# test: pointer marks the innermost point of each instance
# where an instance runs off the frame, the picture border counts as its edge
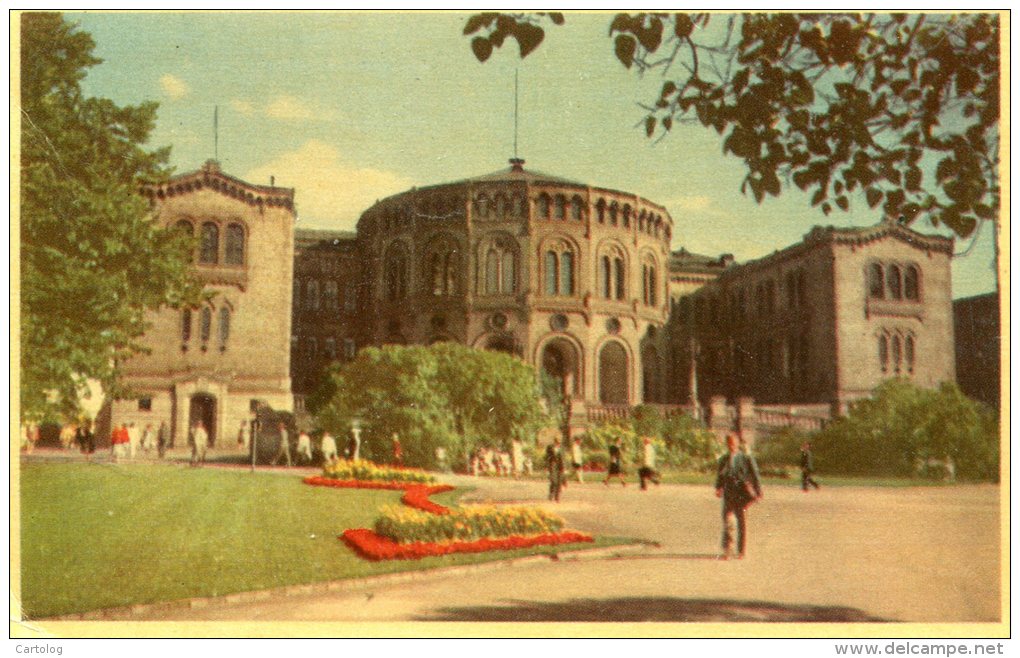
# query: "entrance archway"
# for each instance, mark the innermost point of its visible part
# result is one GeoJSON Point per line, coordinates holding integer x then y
{"type": "Point", "coordinates": [203, 408]}
{"type": "Point", "coordinates": [613, 374]}
{"type": "Point", "coordinates": [560, 362]}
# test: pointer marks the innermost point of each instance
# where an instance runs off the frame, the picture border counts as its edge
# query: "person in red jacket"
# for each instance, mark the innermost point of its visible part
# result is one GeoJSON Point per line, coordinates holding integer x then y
{"type": "Point", "coordinates": [120, 440]}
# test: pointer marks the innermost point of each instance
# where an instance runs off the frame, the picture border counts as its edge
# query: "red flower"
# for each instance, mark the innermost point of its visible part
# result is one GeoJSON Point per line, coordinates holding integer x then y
{"type": "Point", "coordinates": [371, 546]}
{"type": "Point", "coordinates": [416, 495]}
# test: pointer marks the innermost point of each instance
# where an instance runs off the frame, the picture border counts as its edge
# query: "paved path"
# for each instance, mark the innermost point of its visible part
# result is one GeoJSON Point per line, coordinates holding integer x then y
{"type": "Point", "coordinates": [841, 554]}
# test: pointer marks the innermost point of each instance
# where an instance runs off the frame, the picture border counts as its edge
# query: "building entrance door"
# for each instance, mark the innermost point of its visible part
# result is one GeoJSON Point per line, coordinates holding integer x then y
{"type": "Point", "coordinates": [203, 408]}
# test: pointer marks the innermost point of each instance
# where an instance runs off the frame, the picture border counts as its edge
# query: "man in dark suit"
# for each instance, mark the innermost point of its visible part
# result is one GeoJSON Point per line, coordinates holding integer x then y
{"type": "Point", "coordinates": [738, 484]}
{"type": "Point", "coordinates": [807, 467]}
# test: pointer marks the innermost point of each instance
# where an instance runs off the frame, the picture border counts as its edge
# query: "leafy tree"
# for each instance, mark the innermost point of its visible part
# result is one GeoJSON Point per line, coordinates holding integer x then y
{"type": "Point", "coordinates": [92, 263]}
{"type": "Point", "coordinates": [902, 108]}
{"type": "Point", "coordinates": [445, 395]}
{"type": "Point", "coordinates": [903, 429]}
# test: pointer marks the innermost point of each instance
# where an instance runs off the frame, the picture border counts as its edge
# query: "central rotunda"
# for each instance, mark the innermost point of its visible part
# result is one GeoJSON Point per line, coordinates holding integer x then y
{"type": "Point", "coordinates": [567, 276]}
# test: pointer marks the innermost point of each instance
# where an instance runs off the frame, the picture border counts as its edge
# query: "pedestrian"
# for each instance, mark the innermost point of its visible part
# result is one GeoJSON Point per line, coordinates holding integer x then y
{"type": "Point", "coordinates": [199, 444]}
{"type": "Point", "coordinates": [554, 465]}
{"type": "Point", "coordinates": [148, 438]}
{"type": "Point", "coordinates": [243, 435]}
{"type": "Point", "coordinates": [162, 439]}
{"type": "Point", "coordinates": [328, 447]}
{"type": "Point", "coordinates": [353, 448]}
{"type": "Point", "coordinates": [517, 456]}
{"type": "Point", "coordinates": [86, 438]}
{"type": "Point", "coordinates": [134, 438]}
{"type": "Point", "coordinates": [615, 463]}
{"type": "Point", "coordinates": [577, 459]}
{"type": "Point", "coordinates": [284, 451]}
{"type": "Point", "coordinates": [304, 446]}
{"type": "Point", "coordinates": [398, 451]}
{"type": "Point", "coordinates": [807, 467]}
{"type": "Point", "coordinates": [647, 471]}
{"type": "Point", "coordinates": [119, 442]}
{"type": "Point", "coordinates": [738, 485]}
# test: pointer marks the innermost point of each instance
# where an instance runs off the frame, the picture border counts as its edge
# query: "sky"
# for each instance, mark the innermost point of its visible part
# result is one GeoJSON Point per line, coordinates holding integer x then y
{"type": "Point", "coordinates": [352, 107]}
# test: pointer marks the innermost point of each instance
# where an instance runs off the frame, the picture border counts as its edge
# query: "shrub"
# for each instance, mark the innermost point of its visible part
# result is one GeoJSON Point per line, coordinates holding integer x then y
{"type": "Point", "coordinates": [367, 471]}
{"type": "Point", "coordinates": [403, 524]}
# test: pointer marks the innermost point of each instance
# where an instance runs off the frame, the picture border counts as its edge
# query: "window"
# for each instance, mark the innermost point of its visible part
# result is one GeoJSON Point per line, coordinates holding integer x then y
{"type": "Point", "coordinates": [908, 349]}
{"type": "Point", "coordinates": [893, 280]}
{"type": "Point", "coordinates": [542, 207]}
{"type": "Point", "coordinates": [618, 276]}
{"type": "Point", "coordinates": [186, 325]}
{"type": "Point", "coordinates": [350, 348]}
{"type": "Point", "coordinates": [396, 274]}
{"type": "Point", "coordinates": [551, 272]}
{"type": "Point", "coordinates": [567, 273]}
{"type": "Point", "coordinates": [350, 298]}
{"type": "Point", "coordinates": [209, 250]}
{"type": "Point", "coordinates": [482, 206]}
{"type": "Point", "coordinates": [876, 281]}
{"type": "Point", "coordinates": [911, 284]}
{"type": "Point", "coordinates": [235, 245]}
{"type": "Point", "coordinates": [576, 208]}
{"type": "Point", "coordinates": [205, 325]}
{"type": "Point", "coordinates": [897, 354]}
{"type": "Point", "coordinates": [626, 216]}
{"type": "Point", "coordinates": [649, 283]}
{"type": "Point", "coordinates": [508, 272]}
{"type": "Point", "coordinates": [883, 352]}
{"type": "Point", "coordinates": [331, 348]}
{"type": "Point", "coordinates": [559, 207]}
{"type": "Point", "coordinates": [500, 271]}
{"type": "Point", "coordinates": [331, 296]}
{"type": "Point", "coordinates": [492, 272]}
{"type": "Point", "coordinates": [500, 206]}
{"type": "Point", "coordinates": [144, 404]}
{"type": "Point", "coordinates": [441, 269]}
{"type": "Point", "coordinates": [312, 295]}
{"type": "Point", "coordinates": [614, 211]}
{"type": "Point", "coordinates": [600, 211]}
{"type": "Point", "coordinates": [224, 327]}
{"type": "Point", "coordinates": [605, 277]}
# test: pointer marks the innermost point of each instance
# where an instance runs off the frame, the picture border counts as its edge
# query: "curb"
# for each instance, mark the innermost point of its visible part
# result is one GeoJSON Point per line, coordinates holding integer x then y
{"type": "Point", "coordinates": [169, 607]}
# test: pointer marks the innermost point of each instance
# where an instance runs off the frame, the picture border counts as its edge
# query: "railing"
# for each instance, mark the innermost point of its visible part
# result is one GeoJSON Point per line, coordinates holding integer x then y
{"type": "Point", "coordinates": [603, 413]}
{"type": "Point", "coordinates": [772, 419]}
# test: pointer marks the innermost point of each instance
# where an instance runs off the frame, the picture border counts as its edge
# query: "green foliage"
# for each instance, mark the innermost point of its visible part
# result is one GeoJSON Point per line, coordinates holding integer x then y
{"type": "Point", "coordinates": [782, 448]}
{"type": "Point", "coordinates": [366, 471]}
{"type": "Point", "coordinates": [92, 263]}
{"type": "Point", "coordinates": [444, 395]}
{"type": "Point", "coordinates": [688, 444]}
{"type": "Point", "coordinates": [903, 109]}
{"type": "Point", "coordinates": [905, 430]}
{"type": "Point", "coordinates": [679, 440]}
{"type": "Point", "coordinates": [404, 524]}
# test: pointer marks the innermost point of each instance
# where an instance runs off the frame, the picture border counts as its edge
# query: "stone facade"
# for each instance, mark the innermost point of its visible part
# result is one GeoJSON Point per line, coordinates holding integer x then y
{"type": "Point", "coordinates": [821, 322]}
{"type": "Point", "coordinates": [214, 362]}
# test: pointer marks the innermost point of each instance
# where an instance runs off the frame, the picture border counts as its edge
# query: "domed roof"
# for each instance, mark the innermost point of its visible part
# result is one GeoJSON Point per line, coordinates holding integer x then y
{"type": "Point", "coordinates": [516, 173]}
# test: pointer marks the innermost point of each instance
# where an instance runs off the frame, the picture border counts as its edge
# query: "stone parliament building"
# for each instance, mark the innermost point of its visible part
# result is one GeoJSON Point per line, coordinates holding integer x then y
{"type": "Point", "coordinates": [578, 280]}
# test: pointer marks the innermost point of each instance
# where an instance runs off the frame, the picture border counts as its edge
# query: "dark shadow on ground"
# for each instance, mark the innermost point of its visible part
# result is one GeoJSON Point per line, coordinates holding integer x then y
{"type": "Point", "coordinates": [654, 609]}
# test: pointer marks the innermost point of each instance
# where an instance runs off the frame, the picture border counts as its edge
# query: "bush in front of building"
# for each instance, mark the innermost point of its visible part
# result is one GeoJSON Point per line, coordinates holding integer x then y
{"type": "Point", "coordinates": [680, 441]}
{"type": "Point", "coordinates": [445, 396]}
{"type": "Point", "coordinates": [906, 430]}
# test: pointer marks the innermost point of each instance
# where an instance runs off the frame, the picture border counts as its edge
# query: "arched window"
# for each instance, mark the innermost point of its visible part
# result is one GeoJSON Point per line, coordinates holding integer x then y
{"type": "Point", "coordinates": [312, 295]}
{"type": "Point", "coordinates": [892, 277]}
{"type": "Point", "coordinates": [613, 367]}
{"type": "Point", "coordinates": [205, 324]}
{"type": "Point", "coordinates": [567, 273]}
{"type": "Point", "coordinates": [883, 352]}
{"type": "Point", "coordinates": [876, 281]}
{"type": "Point", "coordinates": [331, 348]}
{"type": "Point", "coordinates": [619, 277]}
{"type": "Point", "coordinates": [508, 273]}
{"type": "Point", "coordinates": [614, 211]}
{"type": "Point", "coordinates": [542, 207]}
{"type": "Point", "coordinates": [209, 250]}
{"type": "Point", "coordinates": [911, 283]}
{"type": "Point", "coordinates": [441, 268]}
{"type": "Point", "coordinates": [224, 327]}
{"type": "Point", "coordinates": [492, 272]}
{"type": "Point", "coordinates": [186, 325]}
{"type": "Point", "coordinates": [897, 354]}
{"type": "Point", "coordinates": [600, 211]}
{"type": "Point", "coordinates": [396, 274]}
{"type": "Point", "coordinates": [576, 208]}
{"type": "Point", "coordinates": [551, 272]}
{"type": "Point", "coordinates": [559, 207]}
{"type": "Point", "coordinates": [605, 277]}
{"type": "Point", "coordinates": [908, 349]}
{"type": "Point", "coordinates": [649, 282]}
{"type": "Point", "coordinates": [331, 296]}
{"type": "Point", "coordinates": [626, 216]}
{"type": "Point", "coordinates": [235, 245]}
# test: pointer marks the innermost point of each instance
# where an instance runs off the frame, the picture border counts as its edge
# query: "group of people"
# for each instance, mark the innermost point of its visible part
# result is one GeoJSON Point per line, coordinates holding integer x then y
{"type": "Point", "coordinates": [303, 454]}
{"type": "Point", "coordinates": [127, 440]}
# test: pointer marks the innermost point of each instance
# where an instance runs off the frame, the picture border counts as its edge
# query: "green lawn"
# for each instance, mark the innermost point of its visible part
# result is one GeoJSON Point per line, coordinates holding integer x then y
{"type": "Point", "coordinates": [98, 536]}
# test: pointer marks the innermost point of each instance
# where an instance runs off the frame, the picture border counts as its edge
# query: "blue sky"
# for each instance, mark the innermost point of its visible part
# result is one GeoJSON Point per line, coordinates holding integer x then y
{"type": "Point", "coordinates": [351, 107]}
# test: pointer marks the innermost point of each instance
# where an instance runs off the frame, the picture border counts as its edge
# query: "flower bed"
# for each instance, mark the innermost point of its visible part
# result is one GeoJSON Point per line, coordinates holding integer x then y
{"type": "Point", "coordinates": [405, 525]}
{"type": "Point", "coordinates": [372, 546]}
{"type": "Point", "coordinates": [366, 471]}
{"type": "Point", "coordinates": [415, 495]}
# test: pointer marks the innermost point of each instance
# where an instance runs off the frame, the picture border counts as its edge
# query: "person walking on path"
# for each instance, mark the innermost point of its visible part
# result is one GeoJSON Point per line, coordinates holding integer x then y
{"type": "Point", "coordinates": [554, 464]}
{"type": "Point", "coordinates": [148, 439]}
{"type": "Point", "coordinates": [134, 438]}
{"type": "Point", "coordinates": [162, 439]}
{"type": "Point", "coordinates": [119, 441]}
{"type": "Point", "coordinates": [807, 467]}
{"type": "Point", "coordinates": [615, 463]}
{"type": "Point", "coordinates": [86, 439]}
{"type": "Point", "coordinates": [577, 459]}
{"type": "Point", "coordinates": [648, 471]}
{"type": "Point", "coordinates": [199, 444]}
{"type": "Point", "coordinates": [328, 447]}
{"type": "Point", "coordinates": [284, 452]}
{"type": "Point", "coordinates": [304, 447]}
{"type": "Point", "coordinates": [738, 484]}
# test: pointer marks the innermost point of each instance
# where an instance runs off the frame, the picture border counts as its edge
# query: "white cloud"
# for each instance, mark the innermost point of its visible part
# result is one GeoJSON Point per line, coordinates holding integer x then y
{"type": "Point", "coordinates": [329, 191]}
{"type": "Point", "coordinates": [284, 108]}
{"type": "Point", "coordinates": [174, 87]}
{"type": "Point", "coordinates": [244, 108]}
